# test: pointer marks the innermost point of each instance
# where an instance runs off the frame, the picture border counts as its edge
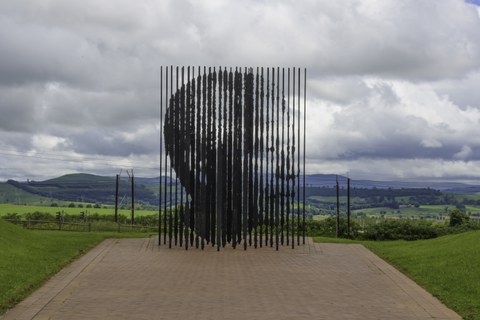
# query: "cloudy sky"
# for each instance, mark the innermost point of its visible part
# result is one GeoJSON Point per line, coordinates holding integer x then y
{"type": "Point", "coordinates": [393, 85]}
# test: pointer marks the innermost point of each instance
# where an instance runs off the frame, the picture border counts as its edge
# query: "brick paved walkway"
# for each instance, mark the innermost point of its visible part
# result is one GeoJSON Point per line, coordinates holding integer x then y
{"type": "Point", "coordinates": [135, 279]}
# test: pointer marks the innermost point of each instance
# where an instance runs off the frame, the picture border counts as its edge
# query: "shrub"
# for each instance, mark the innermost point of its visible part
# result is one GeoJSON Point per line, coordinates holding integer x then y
{"type": "Point", "coordinates": [37, 215]}
{"type": "Point", "coordinates": [402, 229]}
{"type": "Point", "coordinates": [464, 227]}
{"type": "Point", "coordinates": [327, 227]}
{"type": "Point", "coordinates": [150, 220]}
{"type": "Point", "coordinates": [12, 216]}
{"type": "Point", "coordinates": [458, 217]}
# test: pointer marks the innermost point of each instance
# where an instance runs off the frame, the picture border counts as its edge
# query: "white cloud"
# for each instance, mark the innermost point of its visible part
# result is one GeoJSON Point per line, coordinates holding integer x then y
{"type": "Point", "coordinates": [401, 169]}
{"type": "Point", "coordinates": [47, 142]}
{"type": "Point", "coordinates": [464, 153]}
{"type": "Point", "coordinates": [431, 143]}
{"type": "Point", "coordinates": [389, 81]}
{"type": "Point", "coordinates": [395, 119]}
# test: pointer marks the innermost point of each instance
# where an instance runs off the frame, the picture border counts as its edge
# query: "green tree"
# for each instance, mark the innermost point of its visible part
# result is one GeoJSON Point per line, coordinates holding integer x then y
{"type": "Point", "coordinates": [458, 217]}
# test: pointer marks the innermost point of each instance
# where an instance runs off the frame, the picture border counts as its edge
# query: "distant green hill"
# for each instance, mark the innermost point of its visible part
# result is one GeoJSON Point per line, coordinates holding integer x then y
{"type": "Point", "coordinates": [12, 194]}
{"type": "Point", "coordinates": [77, 178]}
{"type": "Point", "coordinates": [320, 195]}
{"type": "Point", "coordinates": [81, 187]}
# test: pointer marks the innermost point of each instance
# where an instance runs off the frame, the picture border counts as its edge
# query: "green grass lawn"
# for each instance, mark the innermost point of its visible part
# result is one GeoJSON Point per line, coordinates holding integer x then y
{"type": "Point", "coordinates": [448, 267]}
{"type": "Point", "coordinates": [29, 258]}
{"type": "Point", "coordinates": [423, 210]}
{"type": "Point", "coordinates": [20, 209]}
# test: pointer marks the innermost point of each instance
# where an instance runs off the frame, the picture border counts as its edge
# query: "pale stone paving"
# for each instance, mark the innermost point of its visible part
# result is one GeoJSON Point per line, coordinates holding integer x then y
{"type": "Point", "coordinates": [136, 279]}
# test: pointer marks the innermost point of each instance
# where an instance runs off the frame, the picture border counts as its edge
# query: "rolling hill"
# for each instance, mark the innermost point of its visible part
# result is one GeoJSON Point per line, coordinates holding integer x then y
{"type": "Point", "coordinates": [84, 188]}
{"type": "Point", "coordinates": [328, 180]}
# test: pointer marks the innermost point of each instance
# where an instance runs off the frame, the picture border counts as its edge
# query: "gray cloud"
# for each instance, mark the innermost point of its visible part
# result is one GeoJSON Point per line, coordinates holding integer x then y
{"type": "Point", "coordinates": [17, 109]}
{"type": "Point", "coordinates": [391, 121]}
{"type": "Point", "coordinates": [389, 81]}
{"type": "Point", "coordinates": [115, 143]}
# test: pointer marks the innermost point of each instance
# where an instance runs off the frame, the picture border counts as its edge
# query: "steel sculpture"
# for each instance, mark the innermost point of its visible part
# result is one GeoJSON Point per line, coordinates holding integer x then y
{"type": "Point", "coordinates": [229, 168]}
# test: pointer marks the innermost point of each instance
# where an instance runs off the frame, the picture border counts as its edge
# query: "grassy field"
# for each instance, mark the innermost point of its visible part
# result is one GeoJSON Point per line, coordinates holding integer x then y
{"type": "Point", "coordinates": [423, 210]}
{"type": "Point", "coordinates": [461, 197]}
{"type": "Point", "coordinates": [10, 194]}
{"type": "Point", "coordinates": [20, 209]}
{"type": "Point", "coordinates": [353, 200]}
{"type": "Point", "coordinates": [472, 209]}
{"type": "Point", "coordinates": [29, 258]}
{"type": "Point", "coordinates": [448, 267]}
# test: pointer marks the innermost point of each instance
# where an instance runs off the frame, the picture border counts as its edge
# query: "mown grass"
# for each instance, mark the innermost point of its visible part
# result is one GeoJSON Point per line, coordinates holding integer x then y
{"type": "Point", "coordinates": [432, 210]}
{"type": "Point", "coordinates": [28, 258]}
{"type": "Point", "coordinates": [448, 267]}
{"type": "Point", "coordinates": [21, 209]}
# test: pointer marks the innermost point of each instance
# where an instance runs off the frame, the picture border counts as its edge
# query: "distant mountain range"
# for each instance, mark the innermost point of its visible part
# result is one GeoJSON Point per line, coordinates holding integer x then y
{"type": "Point", "coordinates": [84, 187]}
{"type": "Point", "coordinates": [101, 189]}
{"type": "Point", "coordinates": [326, 180]}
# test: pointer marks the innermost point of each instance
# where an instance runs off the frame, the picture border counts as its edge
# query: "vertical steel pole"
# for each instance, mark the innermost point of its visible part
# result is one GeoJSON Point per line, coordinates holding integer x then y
{"type": "Point", "coordinates": [198, 174]}
{"type": "Point", "coordinates": [230, 154]}
{"type": "Point", "coordinates": [133, 200]}
{"type": "Point", "coordinates": [255, 185]}
{"type": "Point", "coordinates": [220, 170]}
{"type": "Point", "coordinates": [304, 143]}
{"type": "Point", "coordinates": [116, 197]}
{"type": "Point", "coordinates": [348, 207]}
{"type": "Point", "coordinates": [260, 205]}
{"type": "Point", "coordinates": [282, 163]}
{"type": "Point", "coordinates": [245, 179]}
{"type": "Point", "coordinates": [277, 165]}
{"type": "Point", "coordinates": [170, 221]}
{"type": "Point", "coordinates": [160, 162]}
{"type": "Point", "coordinates": [337, 224]}
{"type": "Point", "coordinates": [236, 161]}
{"type": "Point", "coordinates": [219, 193]}
{"type": "Point", "coordinates": [267, 150]}
{"type": "Point", "coordinates": [166, 156]}
{"type": "Point", "coordinates": [188, 168]}
{"type": "Point", "coordinates": [225, 227]}
{"type": "Point", "coordinates": [181, 153]}
{"type": "Point", "coordinates": [193, 168]}
{"type": "Point", "coordinates": [293, 161]}
{"type": "Point", "coordinates": [298, 162]}
{"type": "Point", "coordinates": [272, 149]}
{"type": "Point", "coordinates": [175, 157]}
{"type": "Point", "coordinates": [203, 157]}
{"type": "Point", "coordinates": [212, 153]}
{"type": "Point", "coordinates": [287, 196]}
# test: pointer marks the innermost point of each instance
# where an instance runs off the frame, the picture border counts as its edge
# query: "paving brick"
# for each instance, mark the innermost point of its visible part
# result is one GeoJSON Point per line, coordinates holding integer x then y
{"type": "Point", "coordinates": [136, 279]}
